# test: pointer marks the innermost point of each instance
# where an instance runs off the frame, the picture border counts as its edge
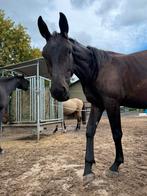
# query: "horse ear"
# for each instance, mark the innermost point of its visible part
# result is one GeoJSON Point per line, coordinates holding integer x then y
{"type": "Point", "coordinates": [43, 28]}
{"type": "Point", "coordinates": [63, 24]}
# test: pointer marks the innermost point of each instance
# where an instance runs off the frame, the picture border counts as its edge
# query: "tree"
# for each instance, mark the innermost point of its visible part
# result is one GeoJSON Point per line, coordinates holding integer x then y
{"type": "Point", "coordinates": [35, 53]}
{"type": "Point", "coordinates": [15, 43]}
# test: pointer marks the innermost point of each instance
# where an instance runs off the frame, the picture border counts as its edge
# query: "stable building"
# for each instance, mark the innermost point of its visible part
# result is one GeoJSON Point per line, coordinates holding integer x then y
{"type": "Point", "coordinates": [76, 90]}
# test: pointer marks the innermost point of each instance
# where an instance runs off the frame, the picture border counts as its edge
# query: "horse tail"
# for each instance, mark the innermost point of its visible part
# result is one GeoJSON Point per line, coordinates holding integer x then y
{"type": "Point", "coordinates": [84, 114]}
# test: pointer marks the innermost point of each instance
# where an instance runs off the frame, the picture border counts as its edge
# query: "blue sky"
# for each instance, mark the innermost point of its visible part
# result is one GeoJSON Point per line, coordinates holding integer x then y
{"type": "Point", "coordinates": [119, 26]}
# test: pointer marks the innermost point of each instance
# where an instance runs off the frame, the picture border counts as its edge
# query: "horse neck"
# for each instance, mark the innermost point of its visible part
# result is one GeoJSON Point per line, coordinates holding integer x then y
{"type": "Point", "coordinates": [88, 61]}
{"type": "Point", "coordinates": [11, 85]}
{"type": "Point", "coordinates": [82, 58]}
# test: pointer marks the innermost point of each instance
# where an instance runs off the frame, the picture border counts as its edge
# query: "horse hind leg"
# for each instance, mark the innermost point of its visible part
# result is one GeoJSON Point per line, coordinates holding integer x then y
{"type": "Point", "coordinates": [78, 123]}
{"type": "Point", "coordinates": [113, 111]}
{"type": "Point", "coordinates": [64, 127]}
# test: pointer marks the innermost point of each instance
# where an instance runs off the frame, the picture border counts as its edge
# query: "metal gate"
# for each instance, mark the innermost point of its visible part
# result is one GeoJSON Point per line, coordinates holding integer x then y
{"type": "Point", "coordinates": [24, 105]}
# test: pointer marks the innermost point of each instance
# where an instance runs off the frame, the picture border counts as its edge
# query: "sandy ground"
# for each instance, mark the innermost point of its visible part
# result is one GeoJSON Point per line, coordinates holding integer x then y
{"type": "Point", "coordinates": [54, 166]}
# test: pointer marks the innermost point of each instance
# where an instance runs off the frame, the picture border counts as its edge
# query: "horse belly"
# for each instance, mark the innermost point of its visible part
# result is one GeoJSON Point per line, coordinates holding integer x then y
{"type": "Point", "coordinates": [69, 108]}
{"type": "Point", "coordinates": [138, 98]}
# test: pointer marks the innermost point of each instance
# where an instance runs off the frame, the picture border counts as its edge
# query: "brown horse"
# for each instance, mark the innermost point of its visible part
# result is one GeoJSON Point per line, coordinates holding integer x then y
{"type": "Point", "coordinates": [76, 108]}
{"type": "Point", "coordinates": [109, 80]}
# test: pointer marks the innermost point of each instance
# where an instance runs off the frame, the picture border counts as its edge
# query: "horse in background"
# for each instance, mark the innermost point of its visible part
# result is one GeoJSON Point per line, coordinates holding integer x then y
{"type": "Point", "coordinates": [74, 107]}
{"type": "Point", "coordinates": [7, 86]}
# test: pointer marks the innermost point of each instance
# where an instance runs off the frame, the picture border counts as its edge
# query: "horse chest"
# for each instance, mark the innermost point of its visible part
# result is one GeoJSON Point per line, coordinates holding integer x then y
{"type": "Point", "coordinates": [91, 96]}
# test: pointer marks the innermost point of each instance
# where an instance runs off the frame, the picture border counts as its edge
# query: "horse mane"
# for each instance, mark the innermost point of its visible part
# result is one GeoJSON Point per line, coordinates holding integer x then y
{"type": "Point", "coordinates": [98, 58]}
{"type": "Point", "coordinates": [72, 40]}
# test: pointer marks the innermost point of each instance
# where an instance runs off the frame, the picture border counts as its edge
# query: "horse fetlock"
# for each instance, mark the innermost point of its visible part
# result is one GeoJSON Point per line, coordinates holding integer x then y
{"type": "Point", "coordinates": [116, 165]}
{"type": "Point", "coordinates": [120, 160]}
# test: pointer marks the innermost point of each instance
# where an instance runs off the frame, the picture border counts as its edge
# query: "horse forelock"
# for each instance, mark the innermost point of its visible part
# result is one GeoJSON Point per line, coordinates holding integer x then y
{"type": "Point", "coordinates": [55, 34]}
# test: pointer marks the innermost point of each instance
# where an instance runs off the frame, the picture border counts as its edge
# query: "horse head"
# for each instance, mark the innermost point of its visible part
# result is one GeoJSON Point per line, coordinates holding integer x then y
{"type": "Point", "coordinates": [58, 56]}
{"type": "Point", "coordinates": [22, 83]}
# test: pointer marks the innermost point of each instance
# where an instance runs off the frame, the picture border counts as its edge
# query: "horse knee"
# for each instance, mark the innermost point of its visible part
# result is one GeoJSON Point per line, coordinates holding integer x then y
{"type": "Point", "coordinates": [90, 132]}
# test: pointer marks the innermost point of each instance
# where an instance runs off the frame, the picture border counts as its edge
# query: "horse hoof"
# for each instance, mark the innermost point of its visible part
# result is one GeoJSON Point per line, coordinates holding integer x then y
{"type": "Point", "coordinates": [111, 174]}
{"type": "Point", "coordinates": [88, 178]}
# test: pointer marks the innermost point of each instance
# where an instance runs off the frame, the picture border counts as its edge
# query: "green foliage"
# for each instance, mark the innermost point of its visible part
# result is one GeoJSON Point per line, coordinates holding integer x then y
{"type": "Point", "coordinates": [15, 43]}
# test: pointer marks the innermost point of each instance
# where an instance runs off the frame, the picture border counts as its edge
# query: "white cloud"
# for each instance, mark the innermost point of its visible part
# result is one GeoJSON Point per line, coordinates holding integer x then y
{"type": "Point", "coordinates": [132, 13]}
{"type": "Point", "coordinates": [105, 24]}
{"type": "Point", "coordinates": [81, 4]}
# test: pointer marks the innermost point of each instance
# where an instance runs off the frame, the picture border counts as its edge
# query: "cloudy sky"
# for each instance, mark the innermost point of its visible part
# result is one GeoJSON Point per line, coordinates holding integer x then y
{"type": "Point", "coordinates": [117, 25]}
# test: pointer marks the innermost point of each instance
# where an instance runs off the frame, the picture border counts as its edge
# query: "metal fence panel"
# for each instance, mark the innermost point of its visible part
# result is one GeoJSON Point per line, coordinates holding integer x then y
{"type": "Point", "coordinates": [23, 104]}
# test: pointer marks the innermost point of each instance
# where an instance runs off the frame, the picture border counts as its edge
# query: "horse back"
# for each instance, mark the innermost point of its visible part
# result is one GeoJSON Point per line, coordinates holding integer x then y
{"type": "Point", "coordinates": [125, 78]}
{"type": "Point", "coordinates": [72, 105]}
{"type": "Point", "coordinates": [134, 73]}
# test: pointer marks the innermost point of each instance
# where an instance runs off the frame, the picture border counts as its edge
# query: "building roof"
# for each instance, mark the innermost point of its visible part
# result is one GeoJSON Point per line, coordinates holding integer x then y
{"type": "Point", "coordinates": [75, 82]}
{"type": "Point", "coordinates": [29, 68]}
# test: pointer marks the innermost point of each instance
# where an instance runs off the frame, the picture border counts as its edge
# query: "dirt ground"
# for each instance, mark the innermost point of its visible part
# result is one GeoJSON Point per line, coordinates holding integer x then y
{"type": "Point", "coordinates": [54, 166]}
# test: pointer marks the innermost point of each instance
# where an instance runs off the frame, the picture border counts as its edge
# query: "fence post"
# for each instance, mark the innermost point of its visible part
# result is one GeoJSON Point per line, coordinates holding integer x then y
{"type": "Point", "coordinates": [38, 103]}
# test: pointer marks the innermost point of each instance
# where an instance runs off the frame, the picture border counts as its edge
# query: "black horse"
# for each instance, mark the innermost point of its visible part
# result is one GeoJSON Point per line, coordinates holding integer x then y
{"type": "Point", "coordinates": [109, 80]}
{"type": "Point", "coordinates": [7, 85]}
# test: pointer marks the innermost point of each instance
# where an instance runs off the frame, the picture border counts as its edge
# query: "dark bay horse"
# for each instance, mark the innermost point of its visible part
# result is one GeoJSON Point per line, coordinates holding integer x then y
{"type": "Point", "coordinates": [109, 80]}
{"type": "Point", "coordinates": [7, 86]}
{"type": "Point", "coordinates": [76, 108]}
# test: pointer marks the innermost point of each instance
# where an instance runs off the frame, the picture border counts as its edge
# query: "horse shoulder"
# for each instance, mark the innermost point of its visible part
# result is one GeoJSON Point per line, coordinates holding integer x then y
{"type": "Point", "coordinates": [109, 81]}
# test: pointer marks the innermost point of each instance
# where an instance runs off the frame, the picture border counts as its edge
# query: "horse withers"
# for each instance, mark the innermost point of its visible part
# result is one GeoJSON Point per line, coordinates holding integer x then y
{"type": "Point", "coordinates": [109, 80]}
{"type": "Point", "coordinates": [7, 86]}
{"type": "Point", "coordinates": [74, 107]}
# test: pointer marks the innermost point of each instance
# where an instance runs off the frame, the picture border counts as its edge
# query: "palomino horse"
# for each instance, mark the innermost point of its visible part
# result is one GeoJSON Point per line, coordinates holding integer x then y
{"type": "Point", "coordinates": [7, 85]}
{"type": "Point", "coordinates": [109, 80]}
{"type": "Point", "coordinates": [76, 108]}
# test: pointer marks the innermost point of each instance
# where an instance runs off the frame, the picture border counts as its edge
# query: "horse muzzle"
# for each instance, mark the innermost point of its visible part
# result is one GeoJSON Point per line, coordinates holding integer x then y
{"type": "Point", "coordinates": [60, 94]}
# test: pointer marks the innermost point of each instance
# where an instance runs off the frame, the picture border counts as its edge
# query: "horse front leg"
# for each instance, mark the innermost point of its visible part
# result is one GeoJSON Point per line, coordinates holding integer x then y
{"type": "Point", "coordinates": [56, 129]}
{"type": "Point", "coordinates": [113, 111]}
{"type": "Point", "coordinates": [94, 118]}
